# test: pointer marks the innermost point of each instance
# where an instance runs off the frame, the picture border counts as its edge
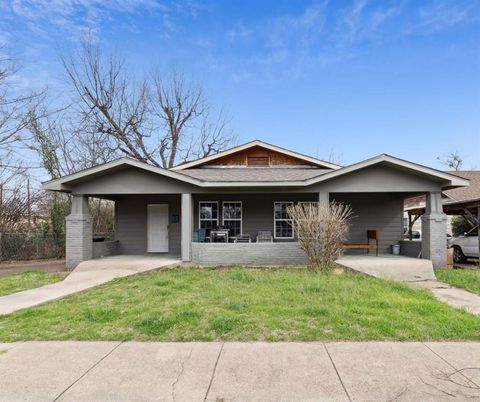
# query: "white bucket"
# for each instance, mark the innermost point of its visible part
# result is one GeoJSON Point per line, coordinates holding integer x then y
{"type": "Point", "coordinates": [395, 249]}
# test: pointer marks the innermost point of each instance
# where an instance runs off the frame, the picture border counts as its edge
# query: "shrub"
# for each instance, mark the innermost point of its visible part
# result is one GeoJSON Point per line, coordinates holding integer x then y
{"type": "Point", "coordinates": [320, 228]}
{"type": "Point", "coordinates": [460, 225]}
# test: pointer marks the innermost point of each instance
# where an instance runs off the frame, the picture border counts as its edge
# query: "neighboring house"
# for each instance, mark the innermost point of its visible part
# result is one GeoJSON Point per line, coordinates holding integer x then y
{"type": "Point", "coordinates": [247, 189]}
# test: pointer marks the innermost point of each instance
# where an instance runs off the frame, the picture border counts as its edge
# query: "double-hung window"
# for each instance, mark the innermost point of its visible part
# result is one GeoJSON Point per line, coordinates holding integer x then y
{"type": "Point", "coordinates": [283, 224]}
{"type": "Point", "coordinates": [208, 215]}
{"type": "Point", "coordinates": [232, 217]}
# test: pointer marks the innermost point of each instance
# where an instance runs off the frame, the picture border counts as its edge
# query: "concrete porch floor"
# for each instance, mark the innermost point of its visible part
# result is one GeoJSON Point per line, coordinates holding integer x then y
{"type": "Point", "coordinates": [86, 275]}
{"type": "Point", "coordinates": [393, 267]}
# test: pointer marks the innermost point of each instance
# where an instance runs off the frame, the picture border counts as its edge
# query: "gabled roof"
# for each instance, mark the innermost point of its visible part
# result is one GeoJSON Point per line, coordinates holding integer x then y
{"type": "Point", "coordinates": [455, 181]}
{"type": "Point", "coordinates": [59, 184]}
{"type": "Point", "coordinates": [256, 143]}
{"type": "Point", "coordinates": [262, 180]}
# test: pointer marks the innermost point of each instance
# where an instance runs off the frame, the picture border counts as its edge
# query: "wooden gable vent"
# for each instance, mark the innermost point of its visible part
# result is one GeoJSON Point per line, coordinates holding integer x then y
{"type": "Point", "coordinates": [258, 161]}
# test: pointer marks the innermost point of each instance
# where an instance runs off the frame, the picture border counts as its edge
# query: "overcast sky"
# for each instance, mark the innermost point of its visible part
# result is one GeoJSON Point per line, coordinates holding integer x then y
{"type": "Point", "coordinates": [351, 79]}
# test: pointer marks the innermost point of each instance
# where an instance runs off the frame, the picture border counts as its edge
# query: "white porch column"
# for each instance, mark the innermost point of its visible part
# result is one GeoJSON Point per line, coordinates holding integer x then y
{"type": "Point", "coordinates": [324, 197]}
{"type": "Point", "coordinates": [78, 225]}
{"type": "Point", "coordinates": [434, 230]}
{"type": "Point", "coordinates": [187, 226]}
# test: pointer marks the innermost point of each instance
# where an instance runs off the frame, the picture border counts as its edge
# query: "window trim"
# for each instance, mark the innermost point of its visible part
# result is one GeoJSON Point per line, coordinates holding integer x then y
{"type": "Point", "coordinates": [241, 215]}
{"type": "Point", "coordinates": [282, 220]}
{"type": "Point", "coordinates": [200, 214]}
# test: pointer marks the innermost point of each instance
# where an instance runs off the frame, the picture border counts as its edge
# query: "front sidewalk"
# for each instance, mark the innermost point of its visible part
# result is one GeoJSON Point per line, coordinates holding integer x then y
{"type": "Point", "coordinates": [73, 371]}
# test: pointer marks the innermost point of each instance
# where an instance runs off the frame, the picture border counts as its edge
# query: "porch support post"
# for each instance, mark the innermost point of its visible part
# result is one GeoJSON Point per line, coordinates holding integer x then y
{"type": "Point", "coordinates": [187, 226]}
{"type": "Point", "coordinates": [478, 230]}
{"type": "Point", "coordinates": [434, 230]}
{"type": "Point", "coordinates": [324, 197]}
{"type": "Point", "coordinates": [78, 225]}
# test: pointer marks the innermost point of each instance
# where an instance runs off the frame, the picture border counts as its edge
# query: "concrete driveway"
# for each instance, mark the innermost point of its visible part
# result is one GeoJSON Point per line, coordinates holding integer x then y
{"type": "Point", "coordinates": [417, 272]}
{"type": "Point", "coordinates": [332, 371]}
{"type": "Point", "coordinates": [86, 275]}
{"type": "Point", "coordinates": [387, 266]}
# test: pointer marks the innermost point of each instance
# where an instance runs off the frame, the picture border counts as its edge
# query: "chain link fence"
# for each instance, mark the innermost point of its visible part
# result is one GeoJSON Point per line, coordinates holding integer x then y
{"type": "Point", "coordinates": [31, 246]}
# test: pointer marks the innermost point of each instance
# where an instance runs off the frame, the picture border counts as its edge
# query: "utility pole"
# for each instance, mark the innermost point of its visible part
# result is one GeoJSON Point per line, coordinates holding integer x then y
{"type": "Point", "coordinates": [29, 206]}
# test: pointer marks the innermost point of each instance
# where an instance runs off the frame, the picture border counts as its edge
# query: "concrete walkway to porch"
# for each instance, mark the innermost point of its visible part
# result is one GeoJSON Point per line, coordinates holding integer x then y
{"type": "Point", "coordinates": [86, 275]}
{"type": "Point", "coordinates": [416, 272]}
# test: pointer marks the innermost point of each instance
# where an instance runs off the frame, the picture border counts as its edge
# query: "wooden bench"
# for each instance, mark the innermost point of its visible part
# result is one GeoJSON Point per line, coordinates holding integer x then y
{"type": "Point", "coordinates": [371, 235]}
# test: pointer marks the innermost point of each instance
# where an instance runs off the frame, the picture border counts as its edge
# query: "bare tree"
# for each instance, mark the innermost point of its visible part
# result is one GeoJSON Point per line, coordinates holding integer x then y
{"type": "Point", "coordinates": [162, 120]}
{"type": "Point", "coordinates": [320, 229]}
{"type": "Point", "coordinates": [453, 160]}
{"type": "Point", "coordinates": [13, 109]}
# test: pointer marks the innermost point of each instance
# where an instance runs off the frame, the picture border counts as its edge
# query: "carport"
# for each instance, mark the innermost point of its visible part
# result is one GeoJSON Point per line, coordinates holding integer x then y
{"type": "Point", "coordinates": [464, 201]}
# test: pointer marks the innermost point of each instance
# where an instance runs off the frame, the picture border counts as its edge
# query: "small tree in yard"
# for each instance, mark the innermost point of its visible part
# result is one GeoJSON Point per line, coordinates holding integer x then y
{"type": "Point", "coordinates": [320, 228]}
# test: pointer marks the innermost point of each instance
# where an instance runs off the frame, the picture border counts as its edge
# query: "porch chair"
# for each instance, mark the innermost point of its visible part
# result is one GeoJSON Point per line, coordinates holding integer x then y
{"type": "Point", "coordinates": [244, 238]}
{"type": "Point", "coordinates": [264, 236]}
{"type": "Point", "coordinates": [371, 235]}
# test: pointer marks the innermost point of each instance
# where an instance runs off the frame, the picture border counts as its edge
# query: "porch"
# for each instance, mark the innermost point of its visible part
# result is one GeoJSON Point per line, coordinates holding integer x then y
{"type": "Point", "coordinates": [167, 223]}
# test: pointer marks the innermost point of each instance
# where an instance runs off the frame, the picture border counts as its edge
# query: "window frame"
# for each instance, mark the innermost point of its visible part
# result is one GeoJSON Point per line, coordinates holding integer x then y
{"type": "Point", "coordinates": [282, 220]}
{"type": "Point", "coordinates": [241, 215]}
{"type": "Point", "coordinates": [200, 213]}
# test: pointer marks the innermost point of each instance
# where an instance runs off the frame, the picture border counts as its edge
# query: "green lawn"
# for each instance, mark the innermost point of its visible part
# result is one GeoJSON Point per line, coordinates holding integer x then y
{"type": "Point", "coordinates": [466, 278]}
{"type": "Point", "coordinates": [243, 304]}
{"type": "Point", "coordinates": [26, 280]}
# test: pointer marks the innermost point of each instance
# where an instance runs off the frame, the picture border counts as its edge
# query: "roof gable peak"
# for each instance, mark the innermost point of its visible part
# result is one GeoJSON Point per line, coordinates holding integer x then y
{"type": "Point", "coordinates": [292, 155]}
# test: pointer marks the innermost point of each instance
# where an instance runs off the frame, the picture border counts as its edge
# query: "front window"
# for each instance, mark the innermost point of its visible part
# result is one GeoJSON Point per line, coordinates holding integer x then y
{"type": "Point", "coordinates": [208, 215]}
{"type": "Point", "coordinates": [232, 217]}
{"type": "Point", "coordinates": [283, 225]}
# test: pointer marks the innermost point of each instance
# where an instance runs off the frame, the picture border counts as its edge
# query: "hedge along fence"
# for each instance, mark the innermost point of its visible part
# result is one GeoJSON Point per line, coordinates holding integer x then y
{"type": "Point", "coordinates": [31, 246]}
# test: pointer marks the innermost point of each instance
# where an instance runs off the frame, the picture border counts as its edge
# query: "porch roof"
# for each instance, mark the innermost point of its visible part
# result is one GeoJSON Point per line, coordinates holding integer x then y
{"type": "Point", "coordinates": [267, 174]}
{"type": "Point", "coordinates": [254, 177]}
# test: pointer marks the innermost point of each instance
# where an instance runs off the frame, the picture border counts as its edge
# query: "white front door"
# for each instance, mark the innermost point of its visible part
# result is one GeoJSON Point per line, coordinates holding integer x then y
{"type": "Point", "coordinates": [157, 228]}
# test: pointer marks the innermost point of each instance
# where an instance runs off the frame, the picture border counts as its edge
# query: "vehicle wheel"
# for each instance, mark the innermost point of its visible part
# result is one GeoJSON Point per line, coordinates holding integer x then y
{"type": "Point", "coordinates": [458, 255]}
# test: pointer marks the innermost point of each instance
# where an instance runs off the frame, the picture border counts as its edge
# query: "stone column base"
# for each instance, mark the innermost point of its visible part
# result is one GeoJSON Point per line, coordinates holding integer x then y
{"type": "Point", "coordinates": [434, 238]}
{"type": "Point", "coordinates": [78, 245]}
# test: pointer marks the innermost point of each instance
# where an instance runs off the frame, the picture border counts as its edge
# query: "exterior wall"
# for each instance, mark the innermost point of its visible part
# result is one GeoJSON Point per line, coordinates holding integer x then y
{"type": "Point", "coordinates": [257, 209]}
{"type": "Point", "coordinates": [104, 248]}
{"type": "Point", "coordinates": [276, 254]}
{"type": "Point", "coordinates": [374, 211]}
{"type": "Point", "coordinates": [411, 248]}
{"type": "Point", "coordinates": [131, 222]}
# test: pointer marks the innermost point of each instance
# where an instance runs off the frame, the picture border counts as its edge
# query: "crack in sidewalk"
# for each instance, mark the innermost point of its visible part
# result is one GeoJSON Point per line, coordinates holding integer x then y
{"type": "Point", "coordinates": [338, 374]}
{"type": "Point", "coordinates": [214, 371]}
{"type": "Point", "coordinates": [182, 369]}
{"type": "Point", "coordinates": [86, 372]}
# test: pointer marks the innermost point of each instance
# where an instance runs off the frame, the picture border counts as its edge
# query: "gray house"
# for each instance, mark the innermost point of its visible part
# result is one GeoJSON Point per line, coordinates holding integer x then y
{"type": "Point", "coordinates": [240, 197]}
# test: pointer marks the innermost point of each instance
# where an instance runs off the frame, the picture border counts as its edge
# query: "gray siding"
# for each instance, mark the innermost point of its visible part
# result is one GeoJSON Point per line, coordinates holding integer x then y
{"type": "Point", "coordinates": [257, 209]}
{"type": "Point", "coordinates": [375, 211]}
{"type": "Point", "coordinates": [131, 222]}
{"type": "Point", "coordinates": [132, 181]}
